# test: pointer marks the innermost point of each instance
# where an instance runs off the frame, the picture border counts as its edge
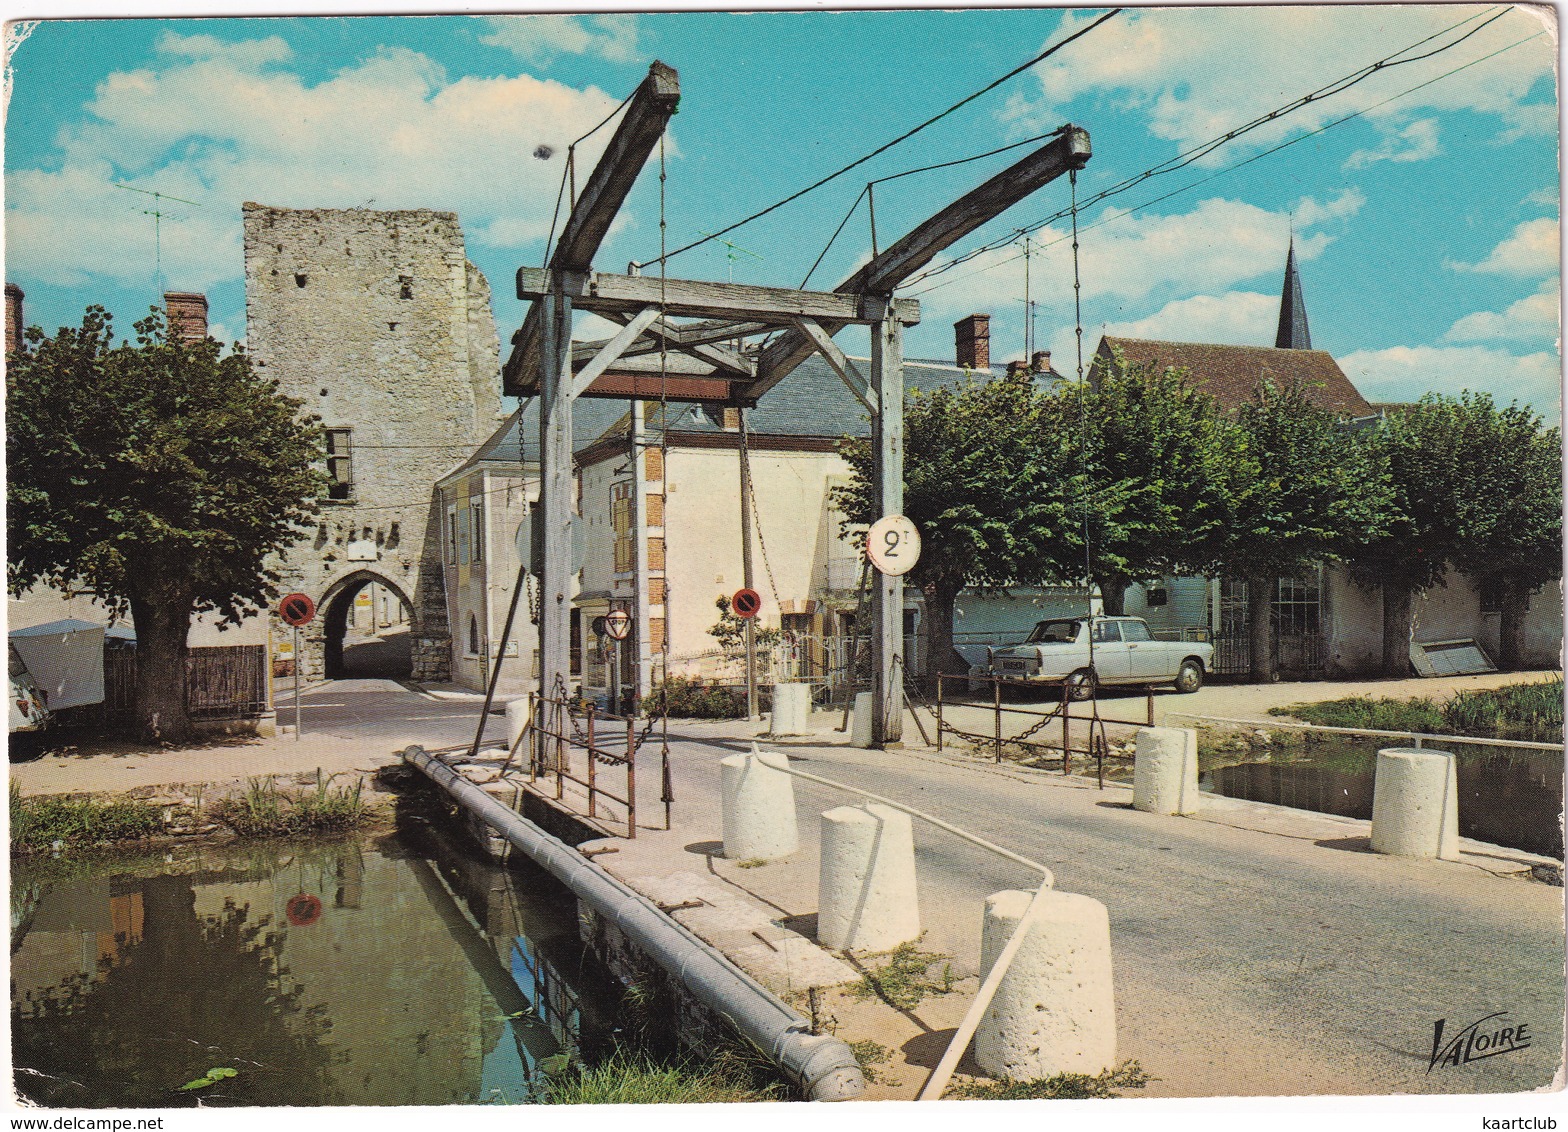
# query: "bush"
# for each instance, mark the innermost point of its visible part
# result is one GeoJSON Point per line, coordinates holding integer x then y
{"type": "Point", "coordinates": [39, 823]}
{"type": "Point", "coordinates": [1528, 712]}
{"type": "Point", "coordinates": [640, 1080]}
{"type": "Point", "coordinates": [684, 698]}
{"type": "Point", "coordinates": [266, 811]}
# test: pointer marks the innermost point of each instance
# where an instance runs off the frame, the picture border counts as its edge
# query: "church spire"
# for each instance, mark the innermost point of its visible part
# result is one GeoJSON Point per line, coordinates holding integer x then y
{"type": "Point", "coordinates": [1293, 333]}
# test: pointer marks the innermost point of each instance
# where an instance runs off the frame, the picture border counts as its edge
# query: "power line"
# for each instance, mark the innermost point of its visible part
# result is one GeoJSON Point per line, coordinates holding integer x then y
{"type": "Point", "coordinates": [664, 257]}
{"type": "Point", "coordinates": [1221, 172]}
{"type": "Point", "coordinates": [1196, 153]}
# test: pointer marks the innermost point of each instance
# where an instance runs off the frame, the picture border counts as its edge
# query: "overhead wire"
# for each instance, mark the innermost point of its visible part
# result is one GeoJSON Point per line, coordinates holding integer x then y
{"type": "Point", "coordinates": [568, 172]}
{"type": "Point", "coordinates": [1212, 176]}
{"type": "Point", "coordinates": [1190, 156]}
{"type": "Point", "coordinates": [665, 256]}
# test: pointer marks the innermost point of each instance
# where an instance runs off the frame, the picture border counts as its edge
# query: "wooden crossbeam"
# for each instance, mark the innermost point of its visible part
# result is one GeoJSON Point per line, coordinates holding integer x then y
{"type": "Point", "coordinates": [638, 132]}
{"type": "Point", "coordinates": [841, 365]}
{"type": "Point", "coordinates": [606, 294]}
{"type": "Point", "coordinates": [1068, 150]}
{"type": "Point", "coordinates": [613, 349]}
{"type": "Point", "coordinates": [727, 360]}
{"type": "Point", "coordinates": [691, 334]}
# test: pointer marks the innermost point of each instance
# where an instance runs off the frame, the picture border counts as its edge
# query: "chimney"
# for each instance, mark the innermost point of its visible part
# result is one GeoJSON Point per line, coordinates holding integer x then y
{"type": "Point", "coordinates": [1014, 368]}
{"type": "Point", "coordinates": [1041, 361]}
{"type": "Point", "coordinates": [972, 336]}
{"type": "Point", "coordinates": [187, 313]}
{"type": "Point", "coordinates": [13, 318]}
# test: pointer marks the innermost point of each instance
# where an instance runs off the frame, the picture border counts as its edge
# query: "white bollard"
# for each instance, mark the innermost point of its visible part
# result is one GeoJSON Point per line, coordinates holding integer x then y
{"type": "Point", "coordinates": [1165, 773]}
{"type": "Point", "coordinates": [759, 807]}
{"type": "Point", "coordinates": [1415, 804]}
{"type": "Point", "coordinates": [517, 718]}
{"type": "Point", "coordinates": [1054, 1011]}
{"type": "Point", "coordinates": [791, 710]}
{"type": "Point", "coordinates": [860, 720]}
{"type": "Point", "coordinates": [866, 898]}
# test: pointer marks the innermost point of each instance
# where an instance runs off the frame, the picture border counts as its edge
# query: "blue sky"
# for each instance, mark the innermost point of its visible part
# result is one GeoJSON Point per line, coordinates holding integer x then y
{"type": "Point", "coordinates": [1426, 229]}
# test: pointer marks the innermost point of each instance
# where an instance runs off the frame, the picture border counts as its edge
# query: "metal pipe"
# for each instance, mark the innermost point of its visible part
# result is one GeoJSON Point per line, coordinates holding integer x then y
{"type": "Point", "coordinates": [823, 1066]}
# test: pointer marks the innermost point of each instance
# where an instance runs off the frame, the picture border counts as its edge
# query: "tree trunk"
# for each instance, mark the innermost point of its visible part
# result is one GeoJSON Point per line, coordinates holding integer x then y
{"type": "Point", "coordinates": [1396, 629]}
{"type": "Point", "coordinates": [1113, 593]}
{"type": "Point", "coordinates": [1260, 628]}
{"type": "Point", "coordinates": [938, 625]}
{"type": "Point", "coordinates": [1510, 625]}
{"type": "Point", "coordinates": [163, 615]}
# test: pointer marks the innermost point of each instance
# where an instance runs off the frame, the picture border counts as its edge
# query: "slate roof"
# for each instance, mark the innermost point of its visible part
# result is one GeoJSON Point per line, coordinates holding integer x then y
{"type": "Point", "coordinates": [1293, 332]}
{"type": "Point", "coordinates": [1230, 373]}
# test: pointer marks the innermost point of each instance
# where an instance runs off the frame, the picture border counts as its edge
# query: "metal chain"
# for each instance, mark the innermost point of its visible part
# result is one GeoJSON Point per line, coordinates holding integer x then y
{"type": "Point", "coordinates": [756, 515]}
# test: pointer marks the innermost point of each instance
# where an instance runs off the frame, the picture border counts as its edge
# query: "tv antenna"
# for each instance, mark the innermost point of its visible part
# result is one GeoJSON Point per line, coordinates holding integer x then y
{"type": "Point", "coordinates": [733, 252]}
{"type": "Point", "coordinates": [157, 214]}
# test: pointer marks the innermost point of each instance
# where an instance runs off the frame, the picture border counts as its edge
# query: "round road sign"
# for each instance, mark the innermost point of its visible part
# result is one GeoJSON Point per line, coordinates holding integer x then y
{"type": "Point", "coordinates": [303, 910]}
{"type": "Point", "coordinates": [297, 609]}
{"type": "Point", "coordinates": [893, 545]}
{"type": "Point", "coordinates": [618, 624]}
{"type": "Point", "coordinates": [745, 603]}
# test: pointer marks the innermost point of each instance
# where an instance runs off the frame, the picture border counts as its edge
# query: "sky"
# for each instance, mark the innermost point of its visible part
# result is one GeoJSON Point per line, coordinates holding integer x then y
{"type": "Point", "coordinates": [1425, 226]}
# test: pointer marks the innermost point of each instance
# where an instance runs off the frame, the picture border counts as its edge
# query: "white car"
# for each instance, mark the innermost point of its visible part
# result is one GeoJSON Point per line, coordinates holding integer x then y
{"type": "Point", "coordinates": [1085, 651]}
{"type": "Point", "coordinates": [29, 711]}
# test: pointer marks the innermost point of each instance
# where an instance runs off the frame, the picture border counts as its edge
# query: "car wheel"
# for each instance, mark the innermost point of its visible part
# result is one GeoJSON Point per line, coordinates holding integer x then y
{"type": "Point", "coordinates": [1189, 677]}
{"type": "Point", "coordinates": [1080, 684]}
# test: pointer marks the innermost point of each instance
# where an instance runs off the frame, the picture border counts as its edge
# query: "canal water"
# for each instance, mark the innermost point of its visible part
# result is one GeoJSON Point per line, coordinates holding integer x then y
{"type": "Point", "coordinates": [1507, 796]}
{"type": "Point", "coordinates": [398, 969]}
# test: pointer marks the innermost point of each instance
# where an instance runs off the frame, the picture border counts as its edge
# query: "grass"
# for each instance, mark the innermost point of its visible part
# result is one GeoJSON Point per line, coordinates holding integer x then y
{"type": "Point", "coordinates": [50, 822]}
{"type": "Point", "coordinates": [1528, 712]}
{"type": "Point", "coordinates": [1063, 1086]}
{"type": "Point", "coordinates": [871, 1054]}
{"type": "Point", "coordinates": [904, 980]}
{"type": "Point", "coordinates": [728, 1077]}
{"type": "Point", "coordinates": [265, 810]}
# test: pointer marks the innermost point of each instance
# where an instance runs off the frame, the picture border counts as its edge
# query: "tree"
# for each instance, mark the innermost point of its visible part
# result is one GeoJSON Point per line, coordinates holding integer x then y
{"type": "Point", "coordinates": [161, 476]}
{"type": "Point", "coordinates": [1302, 487]}
{"type": "Point", "coordinates": [982, 483]}
{"type": "Point", "coordinates": [1153, 454]}
{"type": "Point", "coordinates": [1472, 486]}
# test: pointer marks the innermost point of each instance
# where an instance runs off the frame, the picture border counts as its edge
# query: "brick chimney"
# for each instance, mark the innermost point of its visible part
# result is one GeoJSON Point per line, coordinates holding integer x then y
{"type": "Point", "coordinates": [1014, 368]}
{"type": "Point", "coordinates": [187, 313]}
{"type": "Point", "coordinates": [1041, 361]}
{"type": "Point", "coordinates": [972, 336]}
{"type": "Point", "coordinates": [13, 317]}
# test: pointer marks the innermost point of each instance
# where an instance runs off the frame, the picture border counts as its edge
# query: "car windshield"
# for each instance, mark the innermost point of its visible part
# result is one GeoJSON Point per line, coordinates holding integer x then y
{"type": "Point", "coordinates": [1055, 631]}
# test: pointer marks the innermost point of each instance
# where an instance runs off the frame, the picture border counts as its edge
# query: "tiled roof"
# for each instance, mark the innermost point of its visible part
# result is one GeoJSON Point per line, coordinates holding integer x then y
{"type": "Point", "coordinates": [1230, 373]}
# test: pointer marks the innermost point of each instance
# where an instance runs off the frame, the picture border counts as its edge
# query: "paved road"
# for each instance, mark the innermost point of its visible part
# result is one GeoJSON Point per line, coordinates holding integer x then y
{"type": "Point", "coordinates": [1246, 962]}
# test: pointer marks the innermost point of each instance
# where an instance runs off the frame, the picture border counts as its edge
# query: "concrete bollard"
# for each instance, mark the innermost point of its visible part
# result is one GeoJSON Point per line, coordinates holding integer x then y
{"type": "Point", "coordinates": [1165, 773]}
{"type": "Point", "coordinates": [1415, 804]}
{"type": "Point", "coordinates": [517, 719]}
{"type": "Point", "coordinates": [860, 721]}
{"type": "Point", "coordinates": [866, 899]}
{"type": "Point", "coordinates": [791, 710]}
{"type": "Point", "coordinates": [759, 807]}
{"type": "Point", "coordinates": [1054, 1011]}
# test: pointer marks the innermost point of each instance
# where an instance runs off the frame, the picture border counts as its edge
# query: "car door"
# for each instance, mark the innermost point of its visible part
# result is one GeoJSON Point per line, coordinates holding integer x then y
{"type": "Point", "coordinates": [1147, 659]}
{"type": "Point", "coordinates": [1110, 653]}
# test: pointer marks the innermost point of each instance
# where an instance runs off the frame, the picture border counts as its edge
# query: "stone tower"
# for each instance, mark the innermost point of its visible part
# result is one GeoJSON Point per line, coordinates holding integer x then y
{"type": "Point", "coordinates": [381, 326]}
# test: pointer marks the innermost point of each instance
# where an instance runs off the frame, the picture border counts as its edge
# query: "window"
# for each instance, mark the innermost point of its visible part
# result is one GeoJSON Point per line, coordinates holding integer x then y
{"type": "Point", "coordinates": [621, 523]}
{"type": "Point", "coordinates": [1490, 595]}
{"type": "Point", "coordinates": [451, 535]}
{"type": "Point", "coordinates": [473, 635]}
{"type": "Point", "coordinates": [340, 463]}
{"type": "Point", "coordinates": [463, 537]}
{"type": "Point", "coordinates": [476, 530]}
{"type": "Point", "coordinates": [1136, 631]}
{"type": "Point", "coordinates": [1107, 632]}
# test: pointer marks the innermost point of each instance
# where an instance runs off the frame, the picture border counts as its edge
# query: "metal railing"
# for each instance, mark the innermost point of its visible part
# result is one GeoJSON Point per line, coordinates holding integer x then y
{"type": "Point", "coordinates": [555, 735]}
{"type": "Point", "coordinates": [1096, 742]}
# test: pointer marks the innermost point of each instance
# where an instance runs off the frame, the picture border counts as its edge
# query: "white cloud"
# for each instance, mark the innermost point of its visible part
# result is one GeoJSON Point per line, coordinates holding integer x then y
{"type": "Point", "coordinates": [1416, 142]}
{"type": "Point", "coordinates": [1535, 316]}
{"type": "Point", "coordinates": [1237, 318]}
{"type": "Point", "coordinates": [537, 39]}
{"type": "Point", "coordinates": [1404, 373]}
{"type": "Point", "coordinates": [1308, 212]}
{"type": "Point", "coordinates": [1181, 68]}
{"type": "Point", "coordinates": [222, 123]}
{"type": "Point", "coordinates": [1530, 249]}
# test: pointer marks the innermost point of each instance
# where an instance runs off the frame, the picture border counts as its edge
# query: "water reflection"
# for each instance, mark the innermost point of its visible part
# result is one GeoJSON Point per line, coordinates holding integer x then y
{"type": "Point", "coordinates": [397, 972]}
{"type": "Point", "coordinates": [1506, 797]}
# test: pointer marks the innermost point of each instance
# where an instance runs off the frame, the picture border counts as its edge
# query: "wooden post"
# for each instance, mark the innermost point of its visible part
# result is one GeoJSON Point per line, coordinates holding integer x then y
{"type": "Point", "coordinates": [939, 712]}
{"type": "Point", "coordinates": [887, 426]}
{"type": "Point", "coordinates": [555, 493]}
{"type": "Point", "coordinates": [996, 706]}
{"type": "Point", "coordinates": [591, 775]}
{"type": "Point", "coordinates": [745, 568]}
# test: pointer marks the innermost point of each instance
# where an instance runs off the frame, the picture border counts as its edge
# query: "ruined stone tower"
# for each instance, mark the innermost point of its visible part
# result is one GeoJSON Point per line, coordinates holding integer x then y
{"type": "Point", "coordinates": [378, 322]}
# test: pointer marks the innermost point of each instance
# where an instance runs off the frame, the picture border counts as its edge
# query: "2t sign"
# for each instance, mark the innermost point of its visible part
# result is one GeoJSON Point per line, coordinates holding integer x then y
{"type": "Point", "coordinates": [893, 545]}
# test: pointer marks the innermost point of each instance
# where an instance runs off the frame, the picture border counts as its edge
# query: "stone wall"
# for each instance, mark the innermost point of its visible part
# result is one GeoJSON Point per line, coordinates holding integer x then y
{"type": "Point", "coordinates": [378, 322]}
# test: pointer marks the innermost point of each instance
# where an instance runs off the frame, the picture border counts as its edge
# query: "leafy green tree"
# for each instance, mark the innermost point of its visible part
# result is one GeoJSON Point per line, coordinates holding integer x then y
{"type": "Point", "coordinates": [161, 476]}
{"type": "Point", "coordinates": [982, 483]}
{"type": "Point", "coordinates": [1474, 487]}
{"type": "Point", "coordinates": [1302, 488]}
{"type": "Point", "coordinates": [1151, 455]}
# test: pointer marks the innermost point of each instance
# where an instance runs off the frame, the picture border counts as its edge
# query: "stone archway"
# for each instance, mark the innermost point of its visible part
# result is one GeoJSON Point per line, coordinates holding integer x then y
{"type": "Point", "coordinates": [355, 645]}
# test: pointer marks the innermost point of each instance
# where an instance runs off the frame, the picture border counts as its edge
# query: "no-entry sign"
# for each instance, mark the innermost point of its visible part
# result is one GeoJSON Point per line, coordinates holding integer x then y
{"type": "Point", "coordinates": [745, 603]}
{"type": "Point", "coordinates": [617, 624]}
{"type": "Point", "coordinates": [297, 609]}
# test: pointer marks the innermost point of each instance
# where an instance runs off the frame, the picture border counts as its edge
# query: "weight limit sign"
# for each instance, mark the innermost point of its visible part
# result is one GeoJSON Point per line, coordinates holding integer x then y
{"type": "Point", "coordinates": [893, 545]}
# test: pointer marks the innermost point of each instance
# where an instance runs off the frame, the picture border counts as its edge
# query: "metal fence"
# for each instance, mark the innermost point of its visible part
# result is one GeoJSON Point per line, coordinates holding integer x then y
{"type": "Point", "coordinates": [221, 682]}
